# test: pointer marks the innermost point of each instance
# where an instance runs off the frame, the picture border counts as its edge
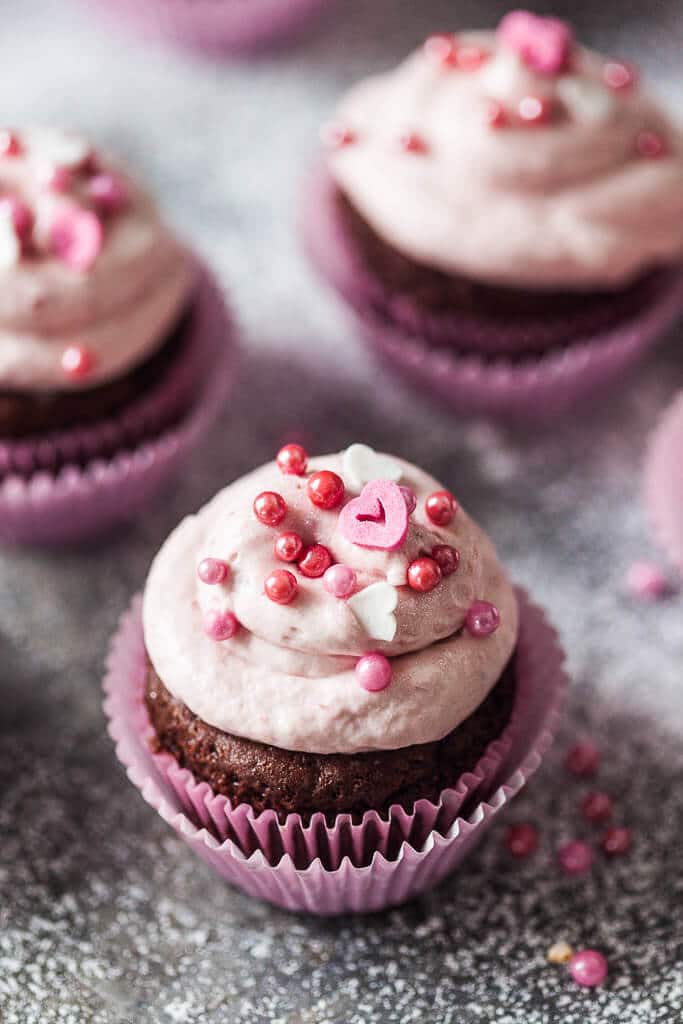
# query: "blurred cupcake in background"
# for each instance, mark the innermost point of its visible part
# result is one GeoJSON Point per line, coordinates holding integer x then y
{"type": "Point", "coordinates": [214, 27]}
{"type": "Point", "coordinates": [114, 343]}
{"type": "Point", "coordinates": [504, 212]}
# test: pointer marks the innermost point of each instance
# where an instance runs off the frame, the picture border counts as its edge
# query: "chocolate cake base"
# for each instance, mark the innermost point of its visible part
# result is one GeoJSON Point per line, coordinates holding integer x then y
{"type": "Point", "coordinates": [293, 781]}
{"type": "Point", "coordinates": [25, 414]}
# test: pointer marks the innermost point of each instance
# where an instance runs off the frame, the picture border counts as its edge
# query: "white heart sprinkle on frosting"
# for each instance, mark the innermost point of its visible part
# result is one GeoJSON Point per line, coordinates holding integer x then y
{"type": "Point", "coordinates": [374, 608]}
{"type": "Point", "coordinates": [10, 246]}
{"type": "Point", "coordinates": [362, 464]}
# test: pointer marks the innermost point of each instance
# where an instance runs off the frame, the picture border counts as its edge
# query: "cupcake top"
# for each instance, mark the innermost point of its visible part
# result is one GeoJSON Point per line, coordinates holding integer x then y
{"type": "Point", "coordinates": [341, 606]}
{"type": "Point", "coordinates": [91, 280]}
{"type": "Point", "coordinates": [518, 158]}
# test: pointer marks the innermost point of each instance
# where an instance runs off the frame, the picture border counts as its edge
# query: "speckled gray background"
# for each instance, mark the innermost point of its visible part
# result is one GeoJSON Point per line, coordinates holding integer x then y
{"type": "Point", "coordinates": [104, 915]}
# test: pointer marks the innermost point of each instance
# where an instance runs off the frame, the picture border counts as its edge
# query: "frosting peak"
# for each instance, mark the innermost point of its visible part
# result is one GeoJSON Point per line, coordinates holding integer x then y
{"type": "Point", "coordinates": [539, 162]}
{"type": "Point", "coordinates": [400, 583]}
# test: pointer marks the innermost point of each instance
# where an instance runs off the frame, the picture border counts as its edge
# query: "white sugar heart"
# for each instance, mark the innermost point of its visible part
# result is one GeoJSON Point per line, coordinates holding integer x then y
{"type": "Point", "coordinates": [10, 246]}
{"type": "Point", "coordinates": [362, 464]}
{"type": "Point", "coordinates": [585, 100]}
{"type": "Point", "coordinates": [374, 607]}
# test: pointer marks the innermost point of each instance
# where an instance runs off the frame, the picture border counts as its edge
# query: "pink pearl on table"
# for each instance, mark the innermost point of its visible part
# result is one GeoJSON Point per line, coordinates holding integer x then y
{"type": "Point", "coordinates": [447, 558]}
{"type": "Point", "coordinates": [108, 192]}
{"type": "Point", "coordinates": [412, 142]}
{"type": "Point", "coordinates": [337, 136]}
{"type": "Point", "coordinates": [521, 839]}
{"type": "Point", "coordinates": [288, 547]}
{"type": "Point", "coordinates": [315, 562]}
{"type": "Point", "coordinates": [496, 115]}
{"type": "Point", "coordinates": [56, 178]}
{"type": "Point", "coordinates": [423, 575]}
{"type": "Point", "coordinates": [616, 841]}
{"type": "Point", "coordinates": [575, 857]}
{"type": "Point", "coordinates": [212, 571]}
{"type": "Point", "coordinates": [373, 672]}
{"type": "Point", "coordinates": [10, 144]}
{"type": "Point", "coordinates": [440, 507]}
{"type": "Point", "coordinates": [269, 508]}
{"type": "Point", "coordinates": [534, 110]}
{"type": "Point", "coordinates": [409, 498]}
{"type": "Point", "coordinates": [482, 619]}
{"type": "Point", "coordinates": [21, 214]}
{"type": "Point", "coordinates": [220, 625]}
{"type": "Point", "coordinates": [292, 459]}
{"type": "Point", "coordinates": [583, 759]}
{"type": "Point", "coordinates": [76, 238]}
{"type": "Point", "coordinates": [77, 362]}
{"type": "Point", "coordinates": [647, 581]}
{"type": "Point", "coordinates": [651, 145]}
{"type": "Point", "coordinates": [340, 581]}
{"type": "Point", "coordinates": [596, 806]}
{"type": "Point", "coordinates": [618, 75]}
{"type": "Point", "coordinates": [281, 586]}
{"type": "Point", "coordinates": [588, 968]}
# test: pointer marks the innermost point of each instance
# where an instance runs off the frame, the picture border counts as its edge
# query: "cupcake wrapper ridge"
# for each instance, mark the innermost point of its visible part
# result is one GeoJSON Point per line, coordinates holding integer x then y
{"type": "Point", "coordinates": [109, 471]}
{"type": "Point", "coordinates": [663, 481]}
{"type": "Point", "coordinates": [332, 868]}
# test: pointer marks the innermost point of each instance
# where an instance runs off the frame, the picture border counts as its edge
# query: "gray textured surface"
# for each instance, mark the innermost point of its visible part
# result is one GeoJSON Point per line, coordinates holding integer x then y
{"type": "Point", "coordinates": [104, 914]}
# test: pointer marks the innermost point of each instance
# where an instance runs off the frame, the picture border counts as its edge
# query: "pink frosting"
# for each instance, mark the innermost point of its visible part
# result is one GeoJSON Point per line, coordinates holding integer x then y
{"type": "Point", "coordinates": [288, 676]}
{"type": "Point", "coordinates": [587, 198]}
{"type": "Point", "coordinates": [98, 270]}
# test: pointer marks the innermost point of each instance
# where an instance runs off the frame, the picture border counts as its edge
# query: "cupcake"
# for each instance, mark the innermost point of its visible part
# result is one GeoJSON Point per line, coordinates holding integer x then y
{"type": "Point", "coordinates": [504, 213]}
{"type": "Point", "coordinates": [332, 665]}
{"type": "Point", "coordinates": [215, 26]}
{"type": "Point", "coordinates": [108, 330]}
{"type": "Point", "coordinates": [664, 481]}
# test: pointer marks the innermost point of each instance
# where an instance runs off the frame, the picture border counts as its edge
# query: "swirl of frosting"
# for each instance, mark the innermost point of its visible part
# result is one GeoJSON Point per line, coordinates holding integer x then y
{"type": "Point", "coordinates": [472, 160]}
{"type": "Point", "coordinates": [92, 281]}
{"type": "Point", "coordinates": [287, 676]}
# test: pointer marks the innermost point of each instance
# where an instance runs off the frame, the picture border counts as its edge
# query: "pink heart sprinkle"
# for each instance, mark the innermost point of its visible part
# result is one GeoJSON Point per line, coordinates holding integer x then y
{"type": "Point", "coordinates": [544, 44]}
{"type": "Point", "coordinates": [377, 518]}
{"type": "Point", "coordinates": [76, 238]}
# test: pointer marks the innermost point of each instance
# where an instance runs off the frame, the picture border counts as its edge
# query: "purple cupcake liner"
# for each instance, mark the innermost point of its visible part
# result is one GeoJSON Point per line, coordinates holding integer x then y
{"type": "Point", "coordinates": [85, 498]}
{"type": "Point", "coordinates": [334, 251]}
{"type": "Point", "coordinates": [332, 868]}
{"type": "Point", "coordinates": [214, 26]}
{"type": "Point", "coordinates": [143, 417]}
{"type": "Point", "coordinates": [663, 481]}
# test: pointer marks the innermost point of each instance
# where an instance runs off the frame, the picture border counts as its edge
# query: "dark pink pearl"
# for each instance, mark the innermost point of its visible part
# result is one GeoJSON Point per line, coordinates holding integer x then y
{"type": "Point", "coordinates": [220, 625]}
{"type": "Point", "coordinates": [10, 144]}
{"type": "Point", "coordinates": [588, 968]}
{"type": "Point", "coordinates": [618, 75]}
{"type": "Point", "coordinates": [409, 498]}
{"type": "Point", "coordinates": [281, 586]}
{"type": "Point", "coordinates": [77, 362]}
{"type": "Point", "coordinates": [315, 562]}
{"type": "Point", "coordinates": [575, 857]}
{"type": "Point", "coordinates": [616, 841]}
{"type": "Point", "coordinates": [108, 192]}
{"type": "Point", "coordinates": [292, 459]}
{"type": "Point", "coordinates": [288, 547]}
{"type": "Point", "coordinates": [441, 507]}
{"type": "Point", "coordinates": [447, 558]}
{"type": "Point", "coordinates": [326, 489]}
{"type": "Point", "coordinates": [269, 508]}
{"type": "Point", "coordinates": [583, 759]}
{"type": "Point", "coordinates": [423, 575]}
{"type": "Point", "coordinates": [340, 581]}
{"type": "Point", "coordinates": [596, 806]}
{"type": "Point", "coordinates": [522, 839]}
{"type": "Point", "coordinates": [482, 619]}
{"type": "Point", "coordinates": [212, 571]}
{"type": "Point", "coordinates": [651, 145]}
{"type": "Point", "coordinates": [373, 672]}
{"type": "Point", "coordinates": [411, 142]}
{"type": "Point", "coordinates": [534, 110]}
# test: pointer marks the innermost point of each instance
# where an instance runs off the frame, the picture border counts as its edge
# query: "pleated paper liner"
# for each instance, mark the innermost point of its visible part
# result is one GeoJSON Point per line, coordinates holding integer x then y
{"type": "Point", "coordinates": [90, 493]}
{"type": "Point", "coordinates": [330, 868]}
{"type": "Point", "coordinates": [663, 480]}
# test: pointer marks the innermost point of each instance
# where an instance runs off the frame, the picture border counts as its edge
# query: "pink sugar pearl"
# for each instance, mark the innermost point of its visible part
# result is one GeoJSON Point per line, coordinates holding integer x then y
{"type": "Point", "coordinates": [340, 581]}
{"type": "Point", "coordinates": [521, 839]}
{"type": "Point", "coordinates": [647, 581]}
{"type": "Point", "coordinates": [220, 625]}
{"type": "Point", "coordinates": [212, 571]}
{"type": "Point", "coordinates": [108, 192]}
{"type": "Point", "coordinates": [596, 806]}
{"type": "Point", "coordinates": [77, 362]}
{"type": "Point", "coordinates": [373, 672]}
{"type": "Point", "coordinates": [482, 619]}
{"type": "Point", "coordinates": [616, 841]}
{"type": "Point", "coordinates": [76, 238]}
{"type": "Point", "coordinates": [583, 759]}
{"type": "Point", "coordinates": [409, 498]}
{"type": "Point", "coordinates": [588, 968]}
{"type": "Point", "coordinates": [575, 857]}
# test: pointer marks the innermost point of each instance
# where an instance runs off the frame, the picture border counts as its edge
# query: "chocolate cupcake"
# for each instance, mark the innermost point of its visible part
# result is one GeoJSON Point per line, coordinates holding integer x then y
{"type": "Point", "coordinates": [108, 325]}
{"type": "Point", "coordinates": [503, 212]}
